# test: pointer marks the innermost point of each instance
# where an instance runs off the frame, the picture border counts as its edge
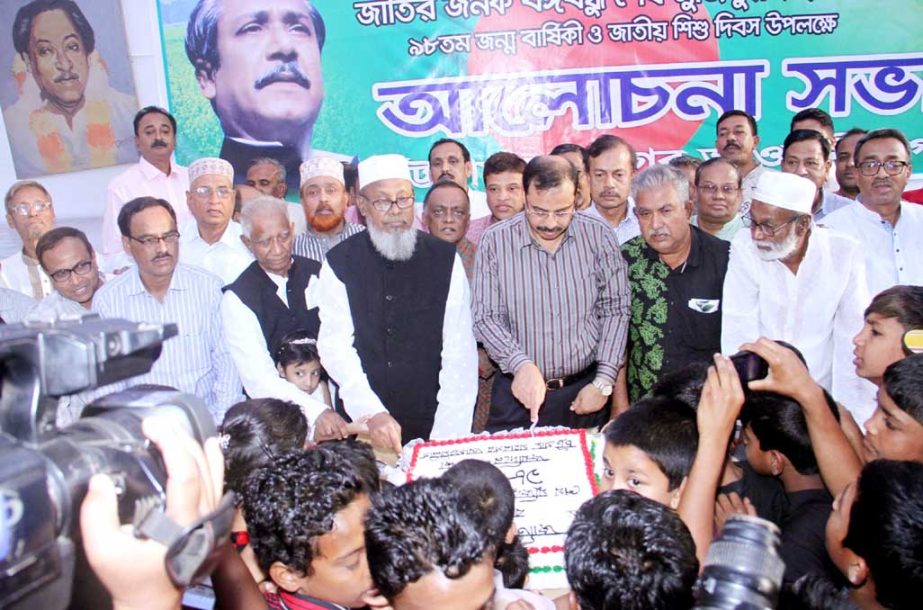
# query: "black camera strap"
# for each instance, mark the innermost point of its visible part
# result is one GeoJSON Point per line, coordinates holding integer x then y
{"type": "Point", "coordinates": [192, 551]}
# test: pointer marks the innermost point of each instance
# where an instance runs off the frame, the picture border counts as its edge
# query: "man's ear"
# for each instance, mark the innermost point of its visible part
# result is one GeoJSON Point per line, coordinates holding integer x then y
{"type": "Point", "coordinates": [756, 142]}
{"type": "Point", "coordinates": [9, 221]}
{"type": "Point", "coordinates": [205, 76]}
{"type": "Point", "coordinates": [677, 494]}
{"type": "Point", "coordinates": [688, 206]}
{"type": "Point", "coordinates": [286, 578]}
{"type": "Point", "coordinates": [126, 246]}
{"type": "Point", "coordinates": [572, 601]}
{"type": "Point", "coordinates": [510, 534]}
{"type": "Point", "coordinates": [777, 462]}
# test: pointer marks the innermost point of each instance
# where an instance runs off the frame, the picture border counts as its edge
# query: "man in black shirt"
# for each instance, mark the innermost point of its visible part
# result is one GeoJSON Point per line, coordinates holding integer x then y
{"type": "Point", "coordinates": [676, 274]}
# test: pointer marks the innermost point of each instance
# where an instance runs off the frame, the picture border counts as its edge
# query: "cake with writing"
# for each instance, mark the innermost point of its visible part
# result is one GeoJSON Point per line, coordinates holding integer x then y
{"type": "Point", "coordinates": [552, 474]}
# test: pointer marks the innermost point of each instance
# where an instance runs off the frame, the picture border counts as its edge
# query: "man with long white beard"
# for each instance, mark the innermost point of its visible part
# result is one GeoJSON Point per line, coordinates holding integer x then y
{"type": "Point", "coordinates": [324, 198]}
{"type": "Point", "coordinates": [791, 280]}
{"type": "Point", "coordinates": [395, 313]}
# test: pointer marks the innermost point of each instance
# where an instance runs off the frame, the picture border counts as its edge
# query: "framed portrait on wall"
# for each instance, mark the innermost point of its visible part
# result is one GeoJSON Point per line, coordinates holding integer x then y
{"type": "Point", "coordinates": [66, 86]}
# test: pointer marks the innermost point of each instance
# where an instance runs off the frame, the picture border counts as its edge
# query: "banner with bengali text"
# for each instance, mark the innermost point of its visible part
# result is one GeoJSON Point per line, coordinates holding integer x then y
{"type": "Point", "coordinates": [526, 75]}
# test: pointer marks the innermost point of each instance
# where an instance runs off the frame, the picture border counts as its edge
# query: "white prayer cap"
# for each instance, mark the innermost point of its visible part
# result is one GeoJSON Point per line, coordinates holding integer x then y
{"type": "Point", "coordinates": [383, 167]}
{"type": "Point", "coordinates": [208, 166]}
{"type": "Point", "coordinates": [786, 191]}
{"type": "Point", "coordinates": [321, 166]}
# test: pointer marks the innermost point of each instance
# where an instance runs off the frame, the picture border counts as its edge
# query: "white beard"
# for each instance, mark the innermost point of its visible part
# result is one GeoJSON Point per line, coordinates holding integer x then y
{"type": "Point", "coordinates": [397, 246]}
{"type": "Point", "coordinates": [778, 251]}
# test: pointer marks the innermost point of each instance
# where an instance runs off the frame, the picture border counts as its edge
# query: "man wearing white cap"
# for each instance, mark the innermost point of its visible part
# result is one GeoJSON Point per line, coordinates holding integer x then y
{"type": "Point", "coordinates": [324, 198]}
{"type": "Point", "coordinates": [791, 280]}
{"type": "Point", "coordinates": [395, 318]}
{"type": "Point", "coordinates": [269, 300]}
{"type": "Point", "coordinates": [210, 240]}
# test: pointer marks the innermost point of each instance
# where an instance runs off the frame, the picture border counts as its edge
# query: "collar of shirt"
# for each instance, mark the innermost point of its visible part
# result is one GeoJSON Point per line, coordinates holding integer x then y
{"type": "Point", "coordinates": [872, 216]}
{"type": "Point", "coordinates": [296, 601]}
{"type": "Point", "coordinates": [178, 281]}
{"type": "Point", "coordinates": [153, 173]}
{"type": "Point", "coordinates": [230, 237]}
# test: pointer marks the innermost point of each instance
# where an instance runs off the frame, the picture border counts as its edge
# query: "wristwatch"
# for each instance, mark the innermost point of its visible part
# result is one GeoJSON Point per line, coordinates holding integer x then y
{"type": "Point", "coordinates": [604, 388]}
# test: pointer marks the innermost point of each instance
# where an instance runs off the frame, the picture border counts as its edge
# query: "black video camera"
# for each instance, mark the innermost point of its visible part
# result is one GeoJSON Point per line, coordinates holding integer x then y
{"type": "Point", "coordinates": [44, 471]}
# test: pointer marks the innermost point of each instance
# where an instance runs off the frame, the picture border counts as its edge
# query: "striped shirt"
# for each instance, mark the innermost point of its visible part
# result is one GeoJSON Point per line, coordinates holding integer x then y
{"type": "Point", "coordinates": [315, 246]}
{"type": "Point", "coordinates": [563, 310]}
{"type": "Point", "coordinates": [196, 361]}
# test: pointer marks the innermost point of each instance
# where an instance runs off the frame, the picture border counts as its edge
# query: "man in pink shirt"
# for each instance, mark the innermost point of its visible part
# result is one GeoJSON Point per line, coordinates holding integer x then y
{"type": "Point", "coordinates": [505, 195]}
{"type": "Point", "coordinates": [155, 175]}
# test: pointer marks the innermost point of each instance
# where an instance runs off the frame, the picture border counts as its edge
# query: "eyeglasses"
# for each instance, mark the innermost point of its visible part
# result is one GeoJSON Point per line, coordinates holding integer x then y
{"type": "Point", "coordinates": [443, 212]}
{"type": "Point", "coordinates": [712, 189]}
{"type": "Point", "coordinates": [24, 209]}
{"type": "Point", "coordinates": [559, 214]}
{"type": "Point", "coordinates": [81, 268]}
{"type": "Point", "coordinates": [206, 191]}
{"type": "Point", "coordinates": [893, 168]}
{"type": "Point", "coordinates": [149, 241]}
{"type": "Point", "coordinates": [383, 204]}
{"type": "Point", "coordinates": [767, 229]}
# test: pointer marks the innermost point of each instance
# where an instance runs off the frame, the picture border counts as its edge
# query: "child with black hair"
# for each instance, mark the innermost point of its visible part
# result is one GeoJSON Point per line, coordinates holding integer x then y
{"type": "Point", "coordinates": [306, 511]}
{"type": "Point", "coordinates": [253, 431]}
{"type": "Point", "coordinates": [626, 551]}
{"type": "Point", "coordinates": [298, 362]}
{"type": "Point", "coordinates": [488, 495]}
{"type": "Point", "coordinates": [650, 448]}
{"type": "Point", "coordinates": [777, 444]}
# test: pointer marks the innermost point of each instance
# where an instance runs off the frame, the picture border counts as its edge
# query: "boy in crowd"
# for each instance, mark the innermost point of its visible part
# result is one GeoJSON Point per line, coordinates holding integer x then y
{"type": "Point", "coordinates": [305, 514]}
{"type": "Point", "coordinates": [425, 552]}
{"type": "Point", "coordinates": [626, 551]}
{"type": "Point", "coordinates": [777, 444]}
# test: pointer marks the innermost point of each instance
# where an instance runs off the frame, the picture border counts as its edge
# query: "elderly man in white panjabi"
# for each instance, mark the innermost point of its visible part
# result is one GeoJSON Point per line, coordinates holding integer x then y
{"type": "Point", "coordinates": [791, 280]}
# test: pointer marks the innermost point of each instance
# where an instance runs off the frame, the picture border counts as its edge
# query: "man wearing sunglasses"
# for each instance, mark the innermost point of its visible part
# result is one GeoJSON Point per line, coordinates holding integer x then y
{"type": "Point", "coordinates": [30, 212]}
{"type": "Point", "coordinates": [794, 281]}
{"type": "Point", "coordinates": [395, 318]}
{"type": "Point", "coordinates": [888, 227]}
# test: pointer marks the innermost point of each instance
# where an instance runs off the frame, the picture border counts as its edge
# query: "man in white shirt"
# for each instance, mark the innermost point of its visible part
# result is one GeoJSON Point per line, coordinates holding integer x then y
{"type": "Point", "coordinates": [324, 198]}
{"type": "Point", "coordinates": [717, 198]}
{"type": "Point", "coordinates": [268, 176]}
{"type": "Point", "coordinates": [612, 166]}
{"type": "Point", "coordinates": [270, 299]}
{"type": "Point", "coordinates": [847, 174]}
{"type": "Point", "coordinates": [30, 212]}
{"type": "Point", "coordinates": [818, 120]}
{"type": "Point", "coordinates": [791, 280]}
{"type": "Point", "coordinates": [395, 312]}
{"type": "Point", "coordinates": [155, 175]}
{"type": "Point", "coordinates": [210, 240]}
{"type": "Point", "coordinates": [451, 160]}
{"type": "Point", "coordinates": [806, 153]}
{"type": "Point", "coordinates": [889, 229]}
{"type": "Point", "coordinates": [67, 257]}
{"type": "Point", "coordinates": [160, 290]}
{"type": "Point", "coordinates": [736, 141]}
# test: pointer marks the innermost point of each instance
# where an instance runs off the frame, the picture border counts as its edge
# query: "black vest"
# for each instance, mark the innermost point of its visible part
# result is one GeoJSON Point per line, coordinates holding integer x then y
{"type": "Point", "coordinates": [398, 310]}
{"type": "Point", "coordinates": [258, 292]}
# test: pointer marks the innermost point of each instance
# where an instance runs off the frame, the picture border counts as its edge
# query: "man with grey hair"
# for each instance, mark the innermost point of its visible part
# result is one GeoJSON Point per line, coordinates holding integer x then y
{"type": "Point", "coordinates": [269, 300]}
{"type": "Point", "coordinates": [395, 318]}
{"type": "Point", "coordinates": [210, 240]}
{"type": "Point", "coordinates": [264, 80]}
{"type": "Point", "coordinates": [676, 275]}
{"type": "Point", "coordinates": [267, 175]}
{"type": "Point", "coordinates": [30, 212]}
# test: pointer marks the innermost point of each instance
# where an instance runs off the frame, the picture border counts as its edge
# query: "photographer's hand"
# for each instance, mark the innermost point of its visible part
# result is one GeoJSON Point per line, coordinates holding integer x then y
{"type": "Point", "coordinates": [133, 569]}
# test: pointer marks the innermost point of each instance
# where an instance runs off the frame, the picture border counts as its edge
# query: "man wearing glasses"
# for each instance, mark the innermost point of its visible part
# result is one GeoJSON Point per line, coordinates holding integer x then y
{"type": "Point", "coordinates": [210, 240]}
{"type": "Point", "coordinates": [160, 290]}
{"type": "Point", "coordinates": [551, 306]}
{"type": "Point", "coordinates": [68, 258]}
{"type": "Point", "coordinates": [718, 194]}
{"type": "Point", "coordinates": [888, 228]}
{"type": "Point", "coordinates": [30, 212]}
{"type": "Point", "coordinates": [794, 281]}
{"type": "Point", "coordinates": [395, 318]}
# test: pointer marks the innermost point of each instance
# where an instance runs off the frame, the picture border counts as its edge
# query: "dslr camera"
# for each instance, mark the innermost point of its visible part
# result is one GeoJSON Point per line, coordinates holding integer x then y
{"type": "Point", "coordinates": [45, 471]}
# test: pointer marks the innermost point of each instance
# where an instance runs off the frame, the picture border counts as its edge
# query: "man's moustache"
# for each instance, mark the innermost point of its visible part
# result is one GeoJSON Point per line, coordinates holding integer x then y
{"type": "Point", "coordinates": [288, 72]}
{"type": "Point", "coordinates": [65, 76]}
{"type": "Point", "coordinates": [159, 144]}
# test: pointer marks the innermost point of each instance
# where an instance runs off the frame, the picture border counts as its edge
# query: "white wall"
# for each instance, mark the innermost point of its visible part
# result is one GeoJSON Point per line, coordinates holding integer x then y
{"type": "Point", "coordinates": [79, 197]}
